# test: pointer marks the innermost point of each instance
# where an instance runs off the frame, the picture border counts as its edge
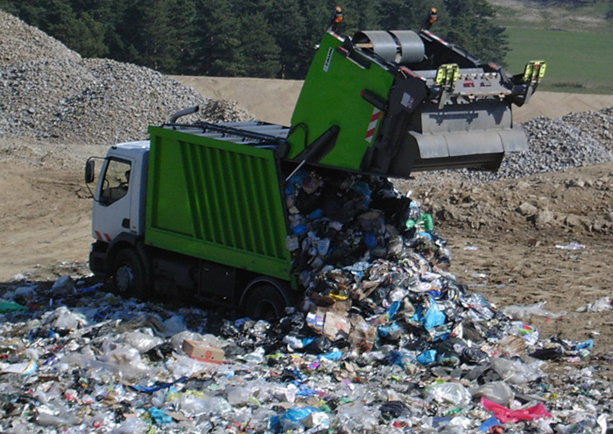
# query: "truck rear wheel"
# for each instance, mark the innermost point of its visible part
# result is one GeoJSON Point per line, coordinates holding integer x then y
{"type": "Point", "coordinates": [129, 273]}
{"type": "Point", "coordinates": [265, 301]}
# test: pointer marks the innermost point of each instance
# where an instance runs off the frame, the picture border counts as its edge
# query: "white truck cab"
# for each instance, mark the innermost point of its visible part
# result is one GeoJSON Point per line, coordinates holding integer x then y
{"type": "Point", "coordinates": [118, 213]}
{"type": "Point", "coordinates": [121, 192]}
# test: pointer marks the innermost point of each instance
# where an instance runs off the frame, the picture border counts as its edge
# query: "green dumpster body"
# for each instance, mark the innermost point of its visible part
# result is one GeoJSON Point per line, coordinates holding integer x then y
{"type": "Point", "coordinates": [332, 96]}
{"type": "Point", "coordinates": [218, 201]}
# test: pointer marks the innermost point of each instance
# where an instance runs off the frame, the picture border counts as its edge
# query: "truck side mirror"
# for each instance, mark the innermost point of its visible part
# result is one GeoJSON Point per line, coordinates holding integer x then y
{"type": "Point", "coordinates": [90, 168]}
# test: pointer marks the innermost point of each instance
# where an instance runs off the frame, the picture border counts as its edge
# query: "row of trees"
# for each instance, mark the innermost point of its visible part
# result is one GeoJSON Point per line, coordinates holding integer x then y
{"type": "Point", "coordinates": [580, 3]}
{"type": "Point", "coordinates": [254, 38]}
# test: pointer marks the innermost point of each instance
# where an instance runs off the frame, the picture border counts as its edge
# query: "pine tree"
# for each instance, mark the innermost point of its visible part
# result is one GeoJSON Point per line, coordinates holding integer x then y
{"type": "Point", "coordinates": [154, 35]}
{"type": "Point", "coordinates": [217, 37]}
{"type": "Point", "coordinates": [258, 48]}
{"type": "Point", "coordinates": [182, 16]}
{"type": "Point", "coordinates": [266, 38]}
{"type": "Point", "coordinates": [288, 27]}
{"type": "Point", "coordinates": [471, 27]}
{"type": "Point", "coordinates": [109, 14]}
{"type": "Point", "coordinates": [78, 31]}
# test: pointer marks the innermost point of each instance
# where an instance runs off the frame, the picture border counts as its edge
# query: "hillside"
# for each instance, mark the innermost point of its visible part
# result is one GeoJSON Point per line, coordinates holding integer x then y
{"type": "Point", "coordinates": [560, 15]}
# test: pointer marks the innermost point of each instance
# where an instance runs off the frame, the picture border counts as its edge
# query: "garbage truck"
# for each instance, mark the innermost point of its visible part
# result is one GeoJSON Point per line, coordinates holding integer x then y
{"type": "Point", "coordinates": [200, 208]}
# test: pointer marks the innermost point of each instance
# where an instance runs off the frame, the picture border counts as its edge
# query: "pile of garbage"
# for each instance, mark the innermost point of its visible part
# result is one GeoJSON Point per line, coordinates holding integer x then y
{"type": "Point", "coordinates": [78, 359]}
{"type": "Point", "coordinates": [386, 340]}
{"type": "Point", "coordinates": [365, 253]}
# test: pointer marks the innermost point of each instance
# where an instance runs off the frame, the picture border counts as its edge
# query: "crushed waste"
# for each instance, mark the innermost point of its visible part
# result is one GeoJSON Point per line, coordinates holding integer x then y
{"type": "Point", "coordinates": [385, 340]}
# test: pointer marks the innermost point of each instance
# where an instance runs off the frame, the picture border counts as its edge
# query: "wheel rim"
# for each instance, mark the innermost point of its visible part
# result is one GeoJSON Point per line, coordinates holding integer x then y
{"type": "Point", "coordinates": [124, 278]}
{"type": "Point", "coordinates": [267, 311]}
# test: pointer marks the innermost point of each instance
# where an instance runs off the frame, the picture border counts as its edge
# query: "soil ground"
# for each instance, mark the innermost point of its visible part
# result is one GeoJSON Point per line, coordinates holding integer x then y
{"type": "Point", "coordinates": [509, 257]}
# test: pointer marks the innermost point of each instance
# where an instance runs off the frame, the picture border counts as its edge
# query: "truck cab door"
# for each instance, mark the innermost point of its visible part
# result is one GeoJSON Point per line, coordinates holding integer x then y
{"type": "Point", "coordinates": [111, 214]}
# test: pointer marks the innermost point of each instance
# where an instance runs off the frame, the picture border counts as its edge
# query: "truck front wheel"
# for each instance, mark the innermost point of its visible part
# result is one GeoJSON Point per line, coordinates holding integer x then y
{"type": "Point", "coordinates": [264, 302]}
{"type": "Point", "coordinates": [129, 273]}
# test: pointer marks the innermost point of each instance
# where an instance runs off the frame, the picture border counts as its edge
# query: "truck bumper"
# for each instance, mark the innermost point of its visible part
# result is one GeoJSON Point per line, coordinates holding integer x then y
{"type": "Point", "coordinates": [97, 258]}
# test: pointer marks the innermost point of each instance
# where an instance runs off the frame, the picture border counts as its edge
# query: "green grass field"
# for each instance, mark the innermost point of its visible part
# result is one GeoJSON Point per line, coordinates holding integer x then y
{"type": "Point", "coordinates": [574, 38]}
{"type": "Point", "coordinates": [576, 61]}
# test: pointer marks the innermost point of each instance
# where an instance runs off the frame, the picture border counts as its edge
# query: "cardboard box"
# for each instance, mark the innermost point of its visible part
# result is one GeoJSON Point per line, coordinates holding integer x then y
{"type": "Point", "coordinates": [203, 351]}
{"type": "Point", "coordinates": [336, 326]}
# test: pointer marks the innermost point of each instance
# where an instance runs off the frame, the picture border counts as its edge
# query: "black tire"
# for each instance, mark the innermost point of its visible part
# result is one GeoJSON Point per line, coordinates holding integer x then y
{"type": "Point", "coordinates": [264, 301]}
{"type": "Point", "coordinates": [129, 278]}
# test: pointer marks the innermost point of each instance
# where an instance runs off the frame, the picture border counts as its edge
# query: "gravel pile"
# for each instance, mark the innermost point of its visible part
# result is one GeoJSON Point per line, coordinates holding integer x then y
{"type": "Point", "coordinates": [49, 92]}
{"type": "Point", "coordinates": [22, 43]}
{"type": "Point", "coordinates": [574, 140]}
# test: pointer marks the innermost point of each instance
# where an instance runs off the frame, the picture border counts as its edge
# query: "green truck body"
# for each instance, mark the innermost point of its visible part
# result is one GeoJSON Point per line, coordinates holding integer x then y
{"type": "Point", "coordinates": [216, 200]}
{"type": "Point", "coordinates": [332, 96]}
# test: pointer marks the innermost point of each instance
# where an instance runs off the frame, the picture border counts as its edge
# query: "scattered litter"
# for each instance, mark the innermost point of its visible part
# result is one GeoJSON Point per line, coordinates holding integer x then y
{"type": "Point", "coordinates": [11, 306]}
{"type": "Point", "coordinates": [203, 351]}
{"type": "Point", "coordinates": [525, 312]}
{"type": "Point", "coordinates": [600, 305]}
{"type": "Point", "coordinates": [504, 414]}
{"type": "Point", "coordinates": [573, 245]}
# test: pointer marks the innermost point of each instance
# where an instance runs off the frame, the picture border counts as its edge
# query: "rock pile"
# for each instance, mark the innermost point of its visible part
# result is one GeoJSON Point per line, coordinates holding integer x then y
{"type": "Point", "coordinates": [574, 140]}
{"type": "Point", "coordinates": [21, 43]}
{"type": "Point", "coordinates": [49, 92]}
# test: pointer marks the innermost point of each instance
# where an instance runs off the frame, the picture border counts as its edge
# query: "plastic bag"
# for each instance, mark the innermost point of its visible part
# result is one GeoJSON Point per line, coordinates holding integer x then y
{"type": "Point", "coordinates": [133, 425]}
{"type": "Point", "coordinates": [505, 414]}
{"type": "Point", "coordinates": [291, 419]}
{"type": "Point", "coordinates": [177, 339]}
{"type": "Point", "coordinates": [63, 319]}
{"type": "Point", "coordinates": [175, 324]}
{"type": "Point", "coordinates": [516, 371]}
{"type": "Point", "coordinates": [573, 245]}
{"type": "Point", "coordinates": [433, 317]}
{"type": "Point", "coordinates": [496, 391]}
{"type": "Point", "coordinates": [600, 305]}
{"type": "Point", "coordinates": [453, 393]}
{"type": "Point", "coordinates": [11, 306]}
{"type": "Point", "coordinates": [356, 417]}
{"type": "Point", "coordinates": [125, 361]}
{"type": "Point", "coordinates": [520, 312]}
{"type": "Point", "coordinates": [143, 342]}
{"type": "Point", "coordinates": [159, 417]}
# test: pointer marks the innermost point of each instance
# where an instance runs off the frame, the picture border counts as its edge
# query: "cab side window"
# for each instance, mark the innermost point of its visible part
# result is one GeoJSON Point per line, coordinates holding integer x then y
{"type": "Point", "coordinates": [116, 181]}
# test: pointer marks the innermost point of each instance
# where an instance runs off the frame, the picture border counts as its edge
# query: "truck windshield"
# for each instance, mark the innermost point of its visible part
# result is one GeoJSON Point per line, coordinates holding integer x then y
{"type": "Point", "coordinates": [115, 182]}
